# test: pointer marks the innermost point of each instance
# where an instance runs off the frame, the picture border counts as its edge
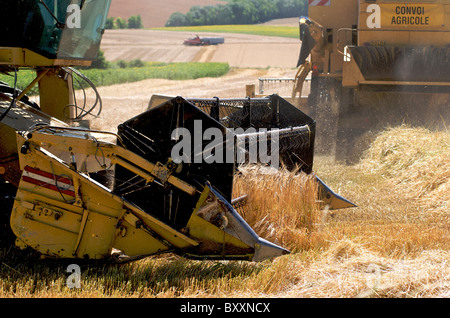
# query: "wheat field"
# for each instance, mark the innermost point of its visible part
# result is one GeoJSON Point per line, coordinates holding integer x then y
{"type": "Point", "coordinates": [395, 244]}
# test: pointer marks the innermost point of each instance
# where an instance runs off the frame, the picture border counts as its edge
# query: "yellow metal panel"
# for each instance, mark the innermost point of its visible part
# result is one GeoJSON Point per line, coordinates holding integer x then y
{"type": "Point", "coordinates": [97, 236]}
{"type": "Point", "coordinates": [201, 229]}
{"type": "Point", "coordinates": [440, 39]}
{"type": "Point", "coordinates": [373, 38]}
{"type": "Point", "coordinates": [402, 38]}
{"type": "Point", "coordinates": [351, 73]}
{"type": "Point", "coordinates": [25, 58]}
{"type": "Point", "coordinates": [53, 216]}
{"type": "Point", "coordinates": [340, 14]}
{"type": "Point", "coordinates": [167, 233]}
{"type": "Point", "coordinates": [135, 242]}
{"type": "Point", "coordinates": [420, 23]}
{"type": "Point", "coordinates": [55, 93]}
{"type": "Point", "coordinates": [82, 214]}
{"type": "Point", "coordinates": [57, 229]}
{"type": "Point", "coordinates": [56, 204]}
{"type": "Point", "coordinates": [42, 236]}
{"type": "Point", "coordinates": [418, 16]}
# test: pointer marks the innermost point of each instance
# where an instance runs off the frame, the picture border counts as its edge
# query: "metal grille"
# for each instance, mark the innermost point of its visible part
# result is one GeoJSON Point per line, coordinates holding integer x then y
{"type": "Point", "coordinates": [234, 113]}
{"type": "Point", "coordinates": [280, 86]}
{"type": "Point", "coordinates": [261, 120]}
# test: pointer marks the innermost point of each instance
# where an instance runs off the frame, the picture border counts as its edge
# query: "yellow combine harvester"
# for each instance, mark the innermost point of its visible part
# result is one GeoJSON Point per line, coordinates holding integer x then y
{"type": "Point", "coordinates": [71, 192]}
{"type": "Point", "coordinates": [373, 64]}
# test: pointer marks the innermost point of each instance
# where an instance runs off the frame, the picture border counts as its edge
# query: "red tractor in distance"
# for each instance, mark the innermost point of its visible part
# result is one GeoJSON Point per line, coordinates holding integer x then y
{"type": "Point", "coordinates": [198, 41]}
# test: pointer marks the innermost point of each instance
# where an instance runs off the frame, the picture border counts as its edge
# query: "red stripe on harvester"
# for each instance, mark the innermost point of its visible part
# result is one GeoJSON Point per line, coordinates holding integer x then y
{"type": "Point", "coordinates": [48, 175]}
{"type": "Point", "coordinates": [319, 3]}
{"type": "Point", "coordinates": [47, 185]}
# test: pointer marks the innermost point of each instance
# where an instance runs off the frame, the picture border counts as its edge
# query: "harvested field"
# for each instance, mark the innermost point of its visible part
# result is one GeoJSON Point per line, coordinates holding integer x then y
{"type": "Point", "coordinates": [239, 50]}
{"type": "Point", "coordinates": [415, 159]}
{"type": "Point", "coordinates": [392, 245]}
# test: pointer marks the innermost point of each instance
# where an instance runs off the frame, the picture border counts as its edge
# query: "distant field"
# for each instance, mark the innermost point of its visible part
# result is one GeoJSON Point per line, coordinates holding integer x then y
{"type": "Point", "coordinates": [154, 13]}
{"type": "Point", "coordinates": [280, 48]}
{"type": "Point", "coordinates": [100, 77]}
{"type": "Point", "coordinates": [171, 71]}
{"type": "Point", "coordinates": [265, 30]}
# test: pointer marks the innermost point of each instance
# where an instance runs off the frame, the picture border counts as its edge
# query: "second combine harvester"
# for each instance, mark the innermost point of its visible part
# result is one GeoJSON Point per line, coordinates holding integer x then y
{"type": "Point", "coordinates": [374, 64]}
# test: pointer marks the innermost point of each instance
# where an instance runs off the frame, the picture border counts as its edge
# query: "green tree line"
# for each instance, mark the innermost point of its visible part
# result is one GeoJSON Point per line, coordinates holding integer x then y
{"type": "Point", "coordinates": [133, 22]}
{"type": "Point", "coordinates": [239, 12]}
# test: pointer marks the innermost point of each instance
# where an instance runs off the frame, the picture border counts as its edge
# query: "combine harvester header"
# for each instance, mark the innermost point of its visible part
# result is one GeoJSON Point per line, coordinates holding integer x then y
{"type": "Point", "coordinates": [72, 192]}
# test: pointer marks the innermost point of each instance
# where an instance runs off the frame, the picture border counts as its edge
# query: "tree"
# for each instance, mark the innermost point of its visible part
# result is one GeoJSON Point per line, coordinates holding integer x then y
{"type": "Point", "coordinates": [100, 62]}
{"type": "Point", "coordinates": [288, 7]}
{"type": "Point", "coordinates": [245, 12]}
{"type": "Point", "coordinates": [197, 15]}
{"type": "Point", "coordinates": [267, 9]}
{"type": "Point", "coordinates": [224, 15]}
{"type": "Point", "coordinates": [240, 12]}
{"type": "Point", "coordinates": [135, 22]}
{"type": "Point", "coordinates": [121, 23]}
{"type": "Point", "coordinates": [109, 24]}
{"type": "Point", "coordinates": [176, 19]}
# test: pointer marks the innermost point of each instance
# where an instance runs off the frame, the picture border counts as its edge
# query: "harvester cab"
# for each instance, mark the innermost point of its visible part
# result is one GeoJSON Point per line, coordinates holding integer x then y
{"type": "Point", "coordinates": [83, 194]}
{"type": "Point", "coordinates": [50, 37]}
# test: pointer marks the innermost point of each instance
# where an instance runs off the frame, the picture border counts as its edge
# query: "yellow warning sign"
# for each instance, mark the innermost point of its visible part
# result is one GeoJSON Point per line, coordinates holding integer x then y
{"type": "Point", "coordinates": [412, 15]}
